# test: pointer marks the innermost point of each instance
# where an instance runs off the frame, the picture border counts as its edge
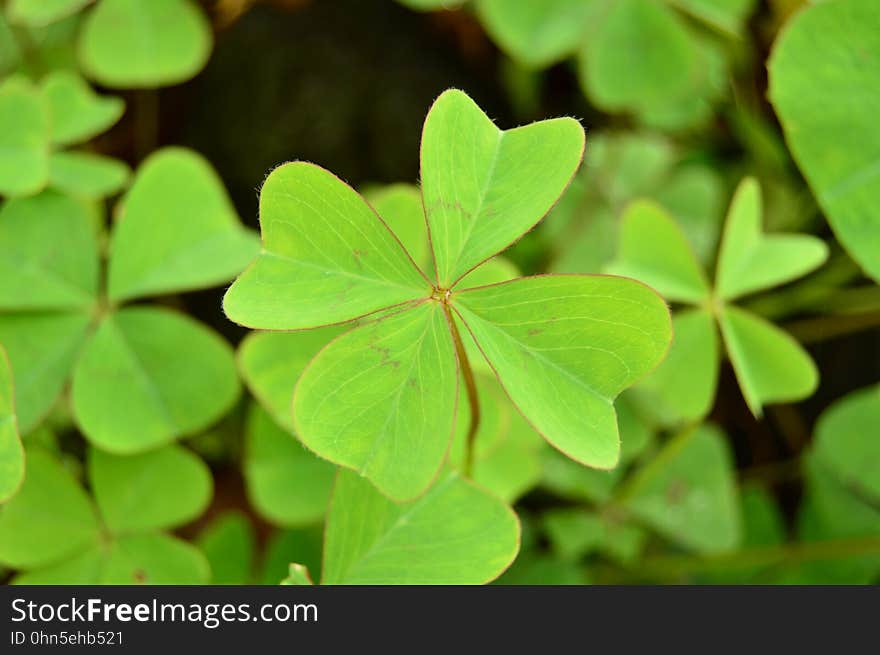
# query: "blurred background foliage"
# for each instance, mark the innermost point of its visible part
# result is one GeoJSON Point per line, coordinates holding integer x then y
{"type": "Point", "coordinates": [674, 97]}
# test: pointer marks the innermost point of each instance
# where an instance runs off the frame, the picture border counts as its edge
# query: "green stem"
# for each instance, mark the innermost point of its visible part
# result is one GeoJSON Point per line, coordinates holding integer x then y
{"type": "Point", "coordinates": [830, 327]}
{"type": "Point", "coordinates": [679, 566]}
{"type": "Point", "coordinates": [773, 473]}
{"type": "Point", "coordinates": [471, 387]}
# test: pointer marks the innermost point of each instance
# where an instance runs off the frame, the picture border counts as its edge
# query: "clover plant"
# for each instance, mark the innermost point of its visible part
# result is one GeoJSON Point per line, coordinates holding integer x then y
{"type": "Point", "coordinates": [53, 532]}
{"type": "Point", "coordinates": [651, 58]}
{"type": "Point", "coordinates": [381, 399]}
{"type": "Point", "coordinates": [460, 382]}
{"type": "Point", "coordinates": [62, 111]}
{"type": "Point", "coordinates": [141, 375]}
{"type": "Point", "coordinates": [277, 468]}
{"type": "Point", "coordinates": [770, 366]}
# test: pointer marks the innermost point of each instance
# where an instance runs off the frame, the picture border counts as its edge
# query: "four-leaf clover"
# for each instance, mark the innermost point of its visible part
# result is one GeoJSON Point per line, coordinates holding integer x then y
{"type": "Point", "coordinates": [381, 398]}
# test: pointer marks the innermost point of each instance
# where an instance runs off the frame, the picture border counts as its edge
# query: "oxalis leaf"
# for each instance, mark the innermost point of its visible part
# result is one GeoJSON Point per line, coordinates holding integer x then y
{"type": "Point", "coordinates": [688, 492]}
{"type": "Point", "coordinates": [381, 399]}
{"type": "Point", "coordinates": [825, 87]}
{"type": "Point", "coordinates": [133, 494]}
{"type": "Point", "coordinates": [177, 203]}
{"type": "Point", "coordinates": [847, 442]}
{"type": "Point", "coordinates": [154, 369]}
{"type": "Point", "coordinates": [229, 543]}
{"type": "Point", "coordinates": [24, 140]}
{"type": "Point", "coordinates": [271, 363]}
{"type": "Point", "coordinates": [52, 532]}
{"type": "Point", "coordinates": [286, 484]}
{"type": "Point", "coordinates": [750, 261]}
{"type": "Point", "coordinates": [78, 113]}
{"type": "Point", "coordinates": [454, 534]}
{"type": "Point", "coordinates": [564, 347]}
{"type": "Point", "coordinates": [834, 508]}
{"type": "Point", "coordinates": [483, 187]}
{"type": "Point", "coordinates": [87, 174]}
{"type": "Point", "coordinates": [136, 44]}
{"type": "Point", "coordinates": [327, 257]}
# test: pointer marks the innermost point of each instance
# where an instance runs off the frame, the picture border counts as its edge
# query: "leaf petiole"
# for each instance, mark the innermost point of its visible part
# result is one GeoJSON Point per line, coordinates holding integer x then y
{"type": "Point", "coordinates": [470, 387]}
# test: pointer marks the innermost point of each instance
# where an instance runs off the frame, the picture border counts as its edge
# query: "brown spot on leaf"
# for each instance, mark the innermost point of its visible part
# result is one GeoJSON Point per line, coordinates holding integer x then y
{"type": "Point", "coordinates": [676, 492]}
{"type": "Point", "coordinates": [385, 356]}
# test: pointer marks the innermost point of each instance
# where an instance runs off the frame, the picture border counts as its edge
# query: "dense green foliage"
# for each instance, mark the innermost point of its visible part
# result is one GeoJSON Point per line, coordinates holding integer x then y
{"type": "Point", "coordinates": [630, 344]}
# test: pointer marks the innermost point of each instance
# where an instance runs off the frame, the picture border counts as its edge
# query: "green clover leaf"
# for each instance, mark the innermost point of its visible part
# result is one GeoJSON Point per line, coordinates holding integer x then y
{"type": "Point", "coordinates": [306, 277]}
{"type": "Point", "coordinates": [482, 195]}
{"type": "Point", "coordinates": [229, 544]}
{"type": "Point", "coordinates": [78, 113]}
{"type": "Point", "coordinates": [826, 53]}
{"type": "Point", "coordinates": [382, 398]}
{"type": "Point", "coordinates": [846, 442]}
{"type": "Point", "coordinates": [11, 451]}
{"type": "Point", "coordinates": [837, 504]}
{"type": "Point", "coordinates": [141, 376]}
{"type": "Point", "coordinates": [286, 484]}
{"type": "Point", "coordinates": [134, 44]}
{"type": "Point", "coordinates": [769, 364]}
{"type": "Point", "coordinates": [688, 492]}
{"type": "Point", "coordinates": [454, 534]}
{"type": "Point", "coordinates": [24, 142]}
{"type": "Point", "coordinates": [55, 533]}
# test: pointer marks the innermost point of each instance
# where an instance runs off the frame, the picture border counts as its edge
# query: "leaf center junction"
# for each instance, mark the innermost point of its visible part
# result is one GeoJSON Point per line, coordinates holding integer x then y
{"type": "Point", "coordinates": [441, 295]}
